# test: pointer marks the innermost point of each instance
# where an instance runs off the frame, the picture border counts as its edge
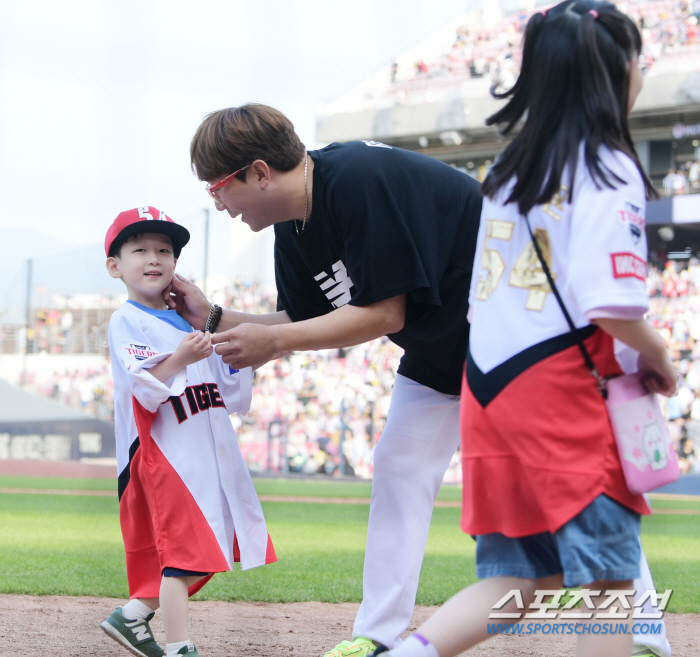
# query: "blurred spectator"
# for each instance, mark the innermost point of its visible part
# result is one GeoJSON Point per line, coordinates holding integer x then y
{"type": "Point", "coordinates": [694, 176]}
{"type": "Point", "coordinates": [669, 183]}
{"type": "Point", "coordinates": [88, 389]}
{"type": "Point", "coordinates": [680, 183]}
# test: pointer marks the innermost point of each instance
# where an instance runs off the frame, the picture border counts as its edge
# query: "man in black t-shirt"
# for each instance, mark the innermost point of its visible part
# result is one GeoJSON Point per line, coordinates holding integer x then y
{"type": "Point", "coordinates": [370, 240]}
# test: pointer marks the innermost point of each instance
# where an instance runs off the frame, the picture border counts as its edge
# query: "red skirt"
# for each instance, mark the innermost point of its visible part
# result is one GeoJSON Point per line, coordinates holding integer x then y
{"type": "Point", "coordinates": [542, 449]}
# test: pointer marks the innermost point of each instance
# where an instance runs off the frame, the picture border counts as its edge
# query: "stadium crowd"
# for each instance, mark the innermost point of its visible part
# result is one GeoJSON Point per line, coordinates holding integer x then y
{"type": "Point", "coordinates": [88, 389]}
{"type": "Point", "coordinates": [667, 26]}
{"type": "Point", "coordinates": [675, 313]}
{"type": "Point", "coordinates": [323, 412]}
{"type": "Point", "coordinates": [684, 180]}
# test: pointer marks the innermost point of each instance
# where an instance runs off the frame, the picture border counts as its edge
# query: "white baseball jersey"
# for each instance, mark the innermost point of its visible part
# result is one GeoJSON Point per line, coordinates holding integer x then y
{"type": "Point", "coordinates": [536, 439]}
{"type": "Point", "coordinates": [186, 497]}
{"type": "Point", "coordinates": [595, 247]}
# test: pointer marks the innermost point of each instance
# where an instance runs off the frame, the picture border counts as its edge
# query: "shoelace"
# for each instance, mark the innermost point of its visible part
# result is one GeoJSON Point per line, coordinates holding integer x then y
{"type": "Point", "coordinates": [342, 649]}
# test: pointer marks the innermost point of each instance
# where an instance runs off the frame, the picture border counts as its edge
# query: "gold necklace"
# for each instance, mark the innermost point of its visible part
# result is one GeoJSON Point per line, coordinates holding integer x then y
{"type": "Point", "coordinates": [306, 194]}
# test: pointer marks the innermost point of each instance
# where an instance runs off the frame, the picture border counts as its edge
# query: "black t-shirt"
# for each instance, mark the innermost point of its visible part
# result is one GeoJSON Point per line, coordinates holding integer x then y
{"type": "Point", "coordinates": [386, 222]}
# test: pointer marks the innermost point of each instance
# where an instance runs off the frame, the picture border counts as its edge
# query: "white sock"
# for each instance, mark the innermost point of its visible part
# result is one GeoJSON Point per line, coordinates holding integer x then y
{"type": "Point", "coordinates": [172, 648]}
{"type": "Point", "coordinates": [136, 610]}
{"type": "Point", "coordinates": [415, 646]}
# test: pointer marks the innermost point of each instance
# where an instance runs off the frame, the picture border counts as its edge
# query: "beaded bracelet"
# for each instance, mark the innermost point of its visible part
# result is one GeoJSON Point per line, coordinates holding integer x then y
{"type": "Point", "coordinates": [215, 313]}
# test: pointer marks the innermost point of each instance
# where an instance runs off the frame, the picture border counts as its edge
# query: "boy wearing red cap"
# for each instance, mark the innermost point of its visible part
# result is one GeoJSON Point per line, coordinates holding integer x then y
{"type": "Point", "coordinates": [187, 505]}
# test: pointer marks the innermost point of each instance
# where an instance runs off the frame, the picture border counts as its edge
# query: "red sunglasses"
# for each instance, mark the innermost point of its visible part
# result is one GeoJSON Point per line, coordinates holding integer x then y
{"type": "Point", "coordinates": [223, 182]}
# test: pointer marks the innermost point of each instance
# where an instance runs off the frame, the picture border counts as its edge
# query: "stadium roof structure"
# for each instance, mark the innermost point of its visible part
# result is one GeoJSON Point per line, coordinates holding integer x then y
{"type": "Point", "coordinates": [33, 427]}
{"type": "Point", "coordinates": [19, 406]}
{"type": "Point", "coordinates": [444, 110]}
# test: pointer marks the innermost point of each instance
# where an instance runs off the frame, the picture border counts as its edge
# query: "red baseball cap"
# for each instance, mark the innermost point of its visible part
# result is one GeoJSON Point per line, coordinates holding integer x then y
{"type": "Point", "coordinates": [146, 220]}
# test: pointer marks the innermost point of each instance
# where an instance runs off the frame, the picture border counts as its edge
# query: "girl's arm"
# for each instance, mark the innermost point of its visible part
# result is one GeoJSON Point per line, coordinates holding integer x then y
{"type": "Point", "coordinates": [655, 367]}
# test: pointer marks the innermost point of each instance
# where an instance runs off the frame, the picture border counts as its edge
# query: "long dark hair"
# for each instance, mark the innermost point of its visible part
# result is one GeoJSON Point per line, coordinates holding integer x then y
{"type": "Point", "coordinates": [573, 87]}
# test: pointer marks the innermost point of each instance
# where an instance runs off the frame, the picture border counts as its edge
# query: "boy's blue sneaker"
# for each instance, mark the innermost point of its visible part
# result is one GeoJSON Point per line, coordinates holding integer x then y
{"type": "Point", "coordinates": [190, 652]}
{"type": "Point", "coordinates": [135, 635]}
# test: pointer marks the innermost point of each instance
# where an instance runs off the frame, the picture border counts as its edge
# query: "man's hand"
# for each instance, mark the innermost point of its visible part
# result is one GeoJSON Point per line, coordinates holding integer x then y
{"type": "Point", "coordinates": [256, 339]}
{"type": "Point", "coordinates": [189, 301]}
{"type": "Point", "coordinates": [247, 345]}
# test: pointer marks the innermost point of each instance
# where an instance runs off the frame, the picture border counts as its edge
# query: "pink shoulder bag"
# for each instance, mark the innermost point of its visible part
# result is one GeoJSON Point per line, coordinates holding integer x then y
{"type": "Point", "coordinates": [643, 442]}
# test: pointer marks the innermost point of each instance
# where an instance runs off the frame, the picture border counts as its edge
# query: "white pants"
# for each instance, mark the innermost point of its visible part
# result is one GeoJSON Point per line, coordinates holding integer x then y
{"type": "Point", "coordinates": [658, 642]}
{"type": "Point", "coordinates": [420, 437]}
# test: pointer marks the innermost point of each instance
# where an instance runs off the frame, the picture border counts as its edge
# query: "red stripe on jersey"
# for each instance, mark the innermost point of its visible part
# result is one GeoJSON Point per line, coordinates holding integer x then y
{"type": "Point", "coordinates": [543, 449]}
{"type": "Point", "coordinates": [162, 525]}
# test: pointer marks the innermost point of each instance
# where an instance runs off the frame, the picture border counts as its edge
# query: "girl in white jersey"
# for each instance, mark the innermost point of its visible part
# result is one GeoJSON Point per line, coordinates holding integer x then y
{"type": "Point", "coordinates": [544, 491]}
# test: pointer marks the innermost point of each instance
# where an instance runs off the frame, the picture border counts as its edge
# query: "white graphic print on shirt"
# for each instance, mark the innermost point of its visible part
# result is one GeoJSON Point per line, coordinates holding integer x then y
{"type": "Point", "coordinates": [339, 294]}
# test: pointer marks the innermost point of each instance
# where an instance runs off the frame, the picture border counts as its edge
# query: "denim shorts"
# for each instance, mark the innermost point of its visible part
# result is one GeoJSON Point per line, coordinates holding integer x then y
{"type": "Point", "coordinates": [600, 543]}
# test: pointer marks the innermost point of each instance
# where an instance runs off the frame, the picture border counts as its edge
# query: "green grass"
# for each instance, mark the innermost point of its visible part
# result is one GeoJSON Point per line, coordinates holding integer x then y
{"type": "Point", "coordinates": [321, 548]}
{"type": "Point", "coordinates": [71, 545]}
{"type": "Point", "coordinates": [333, 488]}
{"type": "Point", "coordinates": [686, 505]}
{"type": "Point", "coordinates": [672, 547]}
{"type": "Point", "coordinates": [61, 544]}
{"type": "Point", "coordinates": [264, 486]}
{"type": "Point", "coordinates": [57, 483]}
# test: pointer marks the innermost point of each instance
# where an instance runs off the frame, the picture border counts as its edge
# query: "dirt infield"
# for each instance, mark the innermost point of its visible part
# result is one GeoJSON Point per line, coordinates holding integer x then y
{"type": "Point", "coordinates": [54, 625]}
{"type": "Point", "coordinates": [37, 468]}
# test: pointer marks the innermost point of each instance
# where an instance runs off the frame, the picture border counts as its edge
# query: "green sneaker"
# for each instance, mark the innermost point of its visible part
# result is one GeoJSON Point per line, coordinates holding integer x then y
{"type": "Point", "coordinates": [135, 635]}
{"type": "Point", "coordinates": [189, 652]}
{"type": "Point", "coordinates": [359, 647]}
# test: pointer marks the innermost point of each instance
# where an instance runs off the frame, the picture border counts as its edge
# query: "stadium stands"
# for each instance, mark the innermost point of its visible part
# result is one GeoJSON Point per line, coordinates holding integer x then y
{"type": "Point", "coordinates": [324, 412]}
{"type": "Point", "coordinates": [436, 97]}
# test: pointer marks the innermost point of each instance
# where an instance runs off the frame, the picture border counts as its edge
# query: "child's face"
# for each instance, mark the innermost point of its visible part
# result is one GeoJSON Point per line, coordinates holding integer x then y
{"type": "Point", "coordinates": [146, 265]}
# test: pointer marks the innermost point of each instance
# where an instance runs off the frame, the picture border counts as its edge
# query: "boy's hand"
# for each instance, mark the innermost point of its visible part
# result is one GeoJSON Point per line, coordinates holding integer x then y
{"type": "Point", "coordinates": [658, 375]}
{"type": "Point", "coordinates": [194, 347]}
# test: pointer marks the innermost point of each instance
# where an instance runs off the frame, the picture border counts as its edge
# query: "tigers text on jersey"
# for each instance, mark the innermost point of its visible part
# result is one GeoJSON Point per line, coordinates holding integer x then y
{"type": "Point", "coordinates": [537, 446]}
{"type": "Point", "coordinates": [186, 499]}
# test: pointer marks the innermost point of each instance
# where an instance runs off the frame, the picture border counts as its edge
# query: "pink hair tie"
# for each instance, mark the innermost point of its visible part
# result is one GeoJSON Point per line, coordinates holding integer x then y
{"type": "Point", "coordinates": [593, 13]}
{"type": "Point", "coordinates": [544, 13]}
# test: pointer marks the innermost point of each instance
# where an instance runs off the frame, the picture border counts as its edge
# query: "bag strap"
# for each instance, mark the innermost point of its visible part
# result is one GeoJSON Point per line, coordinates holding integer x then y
{"type": "Point", "coordinates": [592, 369]}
